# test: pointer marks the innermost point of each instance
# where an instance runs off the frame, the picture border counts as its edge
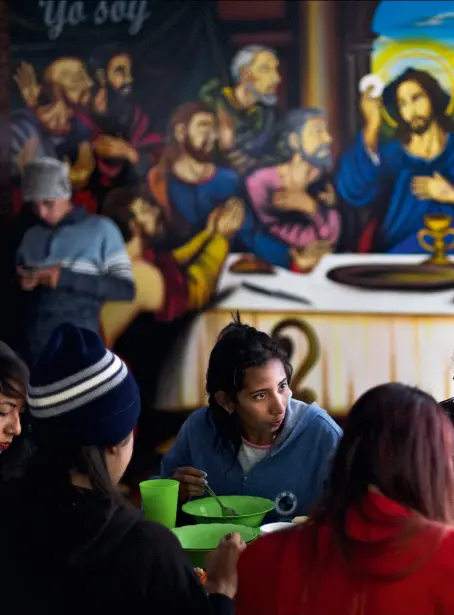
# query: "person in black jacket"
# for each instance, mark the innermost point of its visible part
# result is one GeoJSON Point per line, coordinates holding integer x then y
{"type": "Point", "coordinates": [72, 544]}
{"type": "Point", "coordinates": [14, 377]}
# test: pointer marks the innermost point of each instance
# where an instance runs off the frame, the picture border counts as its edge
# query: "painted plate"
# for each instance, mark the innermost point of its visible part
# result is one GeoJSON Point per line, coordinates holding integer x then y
{"type": "Point", "coordinates": [249, 264]}
{"type": "Point", "coordinates": [403, 278]}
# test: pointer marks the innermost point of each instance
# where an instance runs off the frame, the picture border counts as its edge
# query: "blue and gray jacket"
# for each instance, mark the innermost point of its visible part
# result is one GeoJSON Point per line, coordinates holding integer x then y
{"type": "Point", "coordinates": [293, 475]}
{"type": "Point", "coordinates": [95, 268]}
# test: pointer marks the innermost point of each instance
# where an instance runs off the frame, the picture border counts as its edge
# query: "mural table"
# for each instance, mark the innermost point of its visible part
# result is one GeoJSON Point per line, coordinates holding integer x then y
{"type": "Point", "coordinates": [345, 341]}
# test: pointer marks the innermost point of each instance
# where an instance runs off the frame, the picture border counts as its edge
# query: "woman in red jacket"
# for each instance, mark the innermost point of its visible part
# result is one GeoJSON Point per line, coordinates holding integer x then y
{"type": "Point", "coordinates": [380, 542]}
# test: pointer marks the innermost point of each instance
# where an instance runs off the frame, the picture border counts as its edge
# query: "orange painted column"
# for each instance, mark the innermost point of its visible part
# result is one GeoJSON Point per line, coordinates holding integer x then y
{"type": "Point", "coordinates": [320, 59]}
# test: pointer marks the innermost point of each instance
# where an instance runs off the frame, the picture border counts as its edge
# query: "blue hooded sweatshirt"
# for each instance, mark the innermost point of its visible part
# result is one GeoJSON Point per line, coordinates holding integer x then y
{"type": "Point", "coordinates": [292, 475]}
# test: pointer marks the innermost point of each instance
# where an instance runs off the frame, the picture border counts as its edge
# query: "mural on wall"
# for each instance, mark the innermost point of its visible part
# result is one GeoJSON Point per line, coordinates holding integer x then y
{"type": "Point", "coordinates": [401, 165]}
{"type": "Point", "coordinates": [410, 103]}
{"type": "Point", "coordinates": [215, 189]}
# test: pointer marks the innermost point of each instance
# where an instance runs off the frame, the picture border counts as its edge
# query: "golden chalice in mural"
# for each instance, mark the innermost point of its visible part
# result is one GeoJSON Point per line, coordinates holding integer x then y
{"type": "Point", "coordinates": [438, 228]}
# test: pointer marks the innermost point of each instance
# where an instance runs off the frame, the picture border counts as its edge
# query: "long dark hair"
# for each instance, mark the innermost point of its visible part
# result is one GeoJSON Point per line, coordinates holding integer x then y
{"type": "Point", "coordinates": [398, 439]}
{"type": "Point", "coordinates": [14, 376]}
{"type": "Point", "coordinates": [238, 347]}
{"type": "Point", "coordinates": [182, 115]}
{"type": "Point", "coordinates": [438, 98]}
{"type": "Point", "coordinates": [57, 463]}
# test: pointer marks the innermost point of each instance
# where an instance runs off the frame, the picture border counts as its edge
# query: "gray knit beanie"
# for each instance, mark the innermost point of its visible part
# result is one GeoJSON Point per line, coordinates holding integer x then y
{"type": "Point", "coordinates": [46, 179]}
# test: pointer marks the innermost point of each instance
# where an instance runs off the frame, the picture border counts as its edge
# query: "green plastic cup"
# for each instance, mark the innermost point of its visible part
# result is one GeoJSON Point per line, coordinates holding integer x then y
{"type": "Point", "coordinates": [160, 501]}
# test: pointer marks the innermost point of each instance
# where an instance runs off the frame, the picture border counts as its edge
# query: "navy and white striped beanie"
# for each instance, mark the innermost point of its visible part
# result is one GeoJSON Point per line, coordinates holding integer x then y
{"type": "Point", "coordinates": [80, 393]}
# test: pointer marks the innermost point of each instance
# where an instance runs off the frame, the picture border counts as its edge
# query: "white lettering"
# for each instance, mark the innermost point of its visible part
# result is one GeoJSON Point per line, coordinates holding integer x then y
{"type": "Point", "coordinates": [59, 13]}
{"type": "Point", "coordinates": [76, 13]}
{"type": "Point", "coordinates": [138, 13]}
{"type": "Point", "coordinates": [101, 13]}
{"type": "Point", "coordinates": [55, 21]}
{"type": "Point", "coordinates": [118, 10]}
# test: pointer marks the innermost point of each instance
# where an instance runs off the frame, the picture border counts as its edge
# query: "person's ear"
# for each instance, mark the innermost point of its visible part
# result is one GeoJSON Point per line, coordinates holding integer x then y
{"type": "Point", "coordinates": [101, 77]}
{"type": "Point", "coordinates": [114, 451]}
{"type": "Point", "coordinates": [180, 132]}
{"type": "Point", "coordinates": [133, 226]}
{"type": "Point", "coordinates": [245, 75]}
{"type": "Point", "coordinates": [224, 401]}
{"type": "Point", "coordinates": [293, 141]}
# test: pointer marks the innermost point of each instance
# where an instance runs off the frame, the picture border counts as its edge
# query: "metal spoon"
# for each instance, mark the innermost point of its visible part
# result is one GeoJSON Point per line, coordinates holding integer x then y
{"type": "Point", "coordinates": [226, 510]}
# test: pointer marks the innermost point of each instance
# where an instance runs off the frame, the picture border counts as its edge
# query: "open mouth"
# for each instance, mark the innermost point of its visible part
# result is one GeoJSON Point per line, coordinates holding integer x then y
{"type": "Point", "coordinates": [4, 446]}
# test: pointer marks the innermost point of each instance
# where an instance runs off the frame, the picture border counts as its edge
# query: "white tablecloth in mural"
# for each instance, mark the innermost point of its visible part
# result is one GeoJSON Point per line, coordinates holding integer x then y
{"type": "Point", "coordinates": [327, 296]}
{"type": "Point", "coordinates": [365, 338]}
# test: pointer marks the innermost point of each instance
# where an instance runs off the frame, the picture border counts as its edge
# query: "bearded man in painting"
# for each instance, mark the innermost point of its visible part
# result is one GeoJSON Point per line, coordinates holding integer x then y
{"type": "Point", "coordinates": [189, 186]}
{"type": "Point", "coordinates": [50, 125]}
{"type": "Point", "coordinates": [122, 140]}
{"type": "Point", "coordinates": [411, 175]}
{"type": "Point", "coordinates": [294, 198]}
{"type": "Point", "coordinates": [245, 111]}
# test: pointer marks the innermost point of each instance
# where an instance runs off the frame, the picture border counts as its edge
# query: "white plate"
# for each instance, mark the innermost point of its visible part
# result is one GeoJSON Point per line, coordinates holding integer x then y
{"type": "Point", "coordinates": [374, 82]}
{"type": "Point", "coordinates": [268, 528]}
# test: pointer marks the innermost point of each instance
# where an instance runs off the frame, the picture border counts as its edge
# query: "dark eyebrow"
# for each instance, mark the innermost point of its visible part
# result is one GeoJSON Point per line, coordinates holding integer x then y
{"type": "Point", "coordinates": [257, 391]}
{"type": "Point", "coordinates": [261, 390]}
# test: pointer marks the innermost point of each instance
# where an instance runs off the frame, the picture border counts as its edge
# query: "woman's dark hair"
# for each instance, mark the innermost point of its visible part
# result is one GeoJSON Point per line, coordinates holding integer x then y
{"type": "Point", "coordinates": [14, 376]}
{"type": "Point", "coordinates": [398, 439]}
{"type": "Point", "coordinates": [448, 407]}
{"type": "Point", "coordinates": [237, 348]}
{"type": "Point", "coordinates": [59, 462]}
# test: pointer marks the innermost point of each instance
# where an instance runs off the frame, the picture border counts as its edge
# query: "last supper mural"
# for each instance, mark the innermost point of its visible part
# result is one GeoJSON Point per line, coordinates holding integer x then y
{"type": "Point", "coordinates": [234, 191]}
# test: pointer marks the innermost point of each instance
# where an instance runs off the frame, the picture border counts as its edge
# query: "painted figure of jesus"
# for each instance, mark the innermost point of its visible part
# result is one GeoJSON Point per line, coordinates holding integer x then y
{"type": "Point", "coordinates": [411, 175]}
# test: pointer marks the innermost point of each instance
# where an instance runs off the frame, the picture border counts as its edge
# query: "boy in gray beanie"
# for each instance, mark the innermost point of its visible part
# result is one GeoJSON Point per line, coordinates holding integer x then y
{"type": "Point", "coordinates": [69, 263]}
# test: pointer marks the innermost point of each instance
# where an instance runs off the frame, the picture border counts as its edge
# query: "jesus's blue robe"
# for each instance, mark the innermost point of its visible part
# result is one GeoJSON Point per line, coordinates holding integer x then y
{"type": "Point", "coordinates": [363, 180]}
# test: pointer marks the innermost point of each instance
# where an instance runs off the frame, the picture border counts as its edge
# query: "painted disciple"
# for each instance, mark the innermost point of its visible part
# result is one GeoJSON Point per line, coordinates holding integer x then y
{"type": "Point", "coordinates": [50, 125]}
{"type": "Point", "coordinates": [245, 112]}
{"type": "Point", "coordinates": [168, 284]}
{"type": "Point", "coordinates": [189, 186]}
{"type": "Point", "coordinates": [295, 199]}
{"type": "Point", "coordinates": [122, 140]}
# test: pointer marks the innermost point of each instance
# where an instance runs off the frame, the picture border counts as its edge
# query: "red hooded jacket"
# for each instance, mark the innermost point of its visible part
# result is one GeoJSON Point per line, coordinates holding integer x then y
{"type": "Point", "coordinates": [303, 572]}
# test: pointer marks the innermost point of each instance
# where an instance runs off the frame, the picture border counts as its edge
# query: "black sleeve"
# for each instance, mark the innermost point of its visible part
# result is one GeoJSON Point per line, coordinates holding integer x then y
{"type": "Point", "coordinates": [221, 605]}
{"type": "Point", "coordinates": [172, 585]}
{"type": "Point", "coordinates": [105, 287]}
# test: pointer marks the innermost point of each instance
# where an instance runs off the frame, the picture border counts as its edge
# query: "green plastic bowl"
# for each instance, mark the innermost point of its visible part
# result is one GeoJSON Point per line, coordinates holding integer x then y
{"type": "Point", "coordinates": [251, 510]}
{"type": "Point", "coordinates": [199, 540]}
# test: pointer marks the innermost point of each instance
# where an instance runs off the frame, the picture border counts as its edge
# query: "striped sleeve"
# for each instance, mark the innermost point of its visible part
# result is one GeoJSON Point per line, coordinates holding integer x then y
{"type": "Point", "coordinates": [119, 265]}
{"type": "Point", "coordinates": [115, 258]}
{"type": "Point", "coordinates": [115, 281]}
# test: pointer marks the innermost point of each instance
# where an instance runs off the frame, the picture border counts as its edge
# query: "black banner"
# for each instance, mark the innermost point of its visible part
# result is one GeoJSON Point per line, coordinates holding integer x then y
{"type": "Point", "coordinates": [161, 51]}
